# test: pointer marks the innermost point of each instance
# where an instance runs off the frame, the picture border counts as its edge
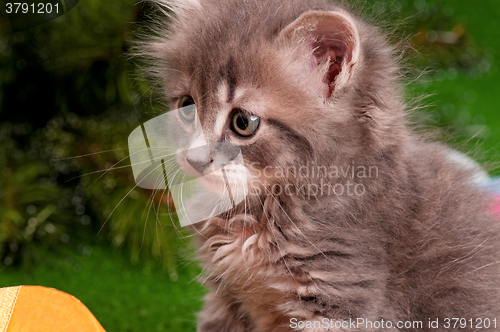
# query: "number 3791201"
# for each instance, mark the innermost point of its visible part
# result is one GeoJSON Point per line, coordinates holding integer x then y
{"type": "Point", "coordinates": [31, 8]}
{"type": "Point", "coordinates": [478, 323]}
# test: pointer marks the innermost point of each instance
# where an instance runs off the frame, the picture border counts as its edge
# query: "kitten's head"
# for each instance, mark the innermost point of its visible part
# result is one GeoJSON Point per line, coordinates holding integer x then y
{"type": "Point", "coordinates": [289, 82]}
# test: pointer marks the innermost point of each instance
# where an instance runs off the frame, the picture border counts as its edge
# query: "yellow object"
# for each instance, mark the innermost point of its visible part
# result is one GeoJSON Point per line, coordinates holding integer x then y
{"type": "Point", "coordinates": [41, 309]}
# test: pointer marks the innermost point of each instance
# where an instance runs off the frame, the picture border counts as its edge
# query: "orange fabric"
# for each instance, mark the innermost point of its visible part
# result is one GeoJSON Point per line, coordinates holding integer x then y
{"type": "Point", "coordinates": [8, 298]}
{"type": "Point", "coordinates": [40, 309]}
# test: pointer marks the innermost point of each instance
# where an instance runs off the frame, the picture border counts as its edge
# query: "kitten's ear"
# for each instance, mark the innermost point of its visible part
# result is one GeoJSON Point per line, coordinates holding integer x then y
{"type": "Point", "coordinates": [328, 48]}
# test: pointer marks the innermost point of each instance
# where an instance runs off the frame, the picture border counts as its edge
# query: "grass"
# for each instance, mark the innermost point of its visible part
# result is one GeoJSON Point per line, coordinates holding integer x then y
{"type": "Point", "coordinates": [122, 296]}
{"type": "Point", "coordinates": [468, 103]}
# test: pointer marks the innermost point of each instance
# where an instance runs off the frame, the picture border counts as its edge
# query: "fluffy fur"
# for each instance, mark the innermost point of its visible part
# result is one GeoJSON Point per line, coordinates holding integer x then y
{"type": "Point", "coordinates": [418, 244]}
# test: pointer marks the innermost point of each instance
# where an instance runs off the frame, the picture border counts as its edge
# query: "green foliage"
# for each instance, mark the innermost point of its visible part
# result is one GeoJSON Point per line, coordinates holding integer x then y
{"type": "Point", "coordinates": [88, 156]}
{"type": "Point", "coordinates": [455, 81]}
{"type": "Point", "coordinates": [462, 77]}
{"type": "Point", "coordinates": [72, 91]}
{"type": "Point", "coordinates": [137, 219]}
{"type": "Point", "coordinates": [29, 212]}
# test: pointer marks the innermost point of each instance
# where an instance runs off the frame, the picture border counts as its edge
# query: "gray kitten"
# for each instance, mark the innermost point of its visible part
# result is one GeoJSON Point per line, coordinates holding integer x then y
{"type": "Point", "coordinates": [312, 96]}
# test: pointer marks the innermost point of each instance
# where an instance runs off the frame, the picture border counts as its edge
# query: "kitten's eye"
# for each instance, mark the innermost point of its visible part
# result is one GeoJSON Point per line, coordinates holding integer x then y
{"type": "Point", "coordinates": [244, 124]}
{"type": "Point", "coordinates": [187, 108]}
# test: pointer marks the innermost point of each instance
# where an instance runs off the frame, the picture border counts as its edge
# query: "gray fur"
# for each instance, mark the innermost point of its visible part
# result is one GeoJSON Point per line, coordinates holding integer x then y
{"type": "Point", "coordinates": [418, 244]}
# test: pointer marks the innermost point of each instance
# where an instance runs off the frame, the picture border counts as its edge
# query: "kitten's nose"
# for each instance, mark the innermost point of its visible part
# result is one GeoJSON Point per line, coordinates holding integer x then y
{"type": "Point", "coordinates": [199, 158]}
{"type": "Point", "coordinates": [200, 166]}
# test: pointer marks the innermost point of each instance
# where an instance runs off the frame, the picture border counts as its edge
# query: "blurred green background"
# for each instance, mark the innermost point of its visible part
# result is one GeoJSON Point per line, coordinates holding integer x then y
{"type": "Point", "coordinates": [69, 98]}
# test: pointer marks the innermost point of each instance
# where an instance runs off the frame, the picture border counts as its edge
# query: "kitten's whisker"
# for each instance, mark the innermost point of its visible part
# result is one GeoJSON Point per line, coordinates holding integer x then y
{"type": "Point", "coordinates": [482, 267]}
{"type": "Point", "coordinates": [90, 154]}
{"type": "Point", "coordinates": [148, 208]}
{"type": "Point", "coordinates": [293, 223]}
{"type": "Point", "coordinates": [158, 222]}
{"type": "Point", "coordinates": [274, 235]}
{"type": "Point", "coordinates": [128, 193]}
{"type": "Point", "coordinates": [105, 171]}
{"type": "Point", "coordinates": [282, 256]}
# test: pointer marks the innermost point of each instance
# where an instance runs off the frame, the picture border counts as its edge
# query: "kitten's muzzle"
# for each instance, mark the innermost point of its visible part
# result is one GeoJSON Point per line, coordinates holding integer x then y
{"type": "Point", "coordinates": [199, 158]}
